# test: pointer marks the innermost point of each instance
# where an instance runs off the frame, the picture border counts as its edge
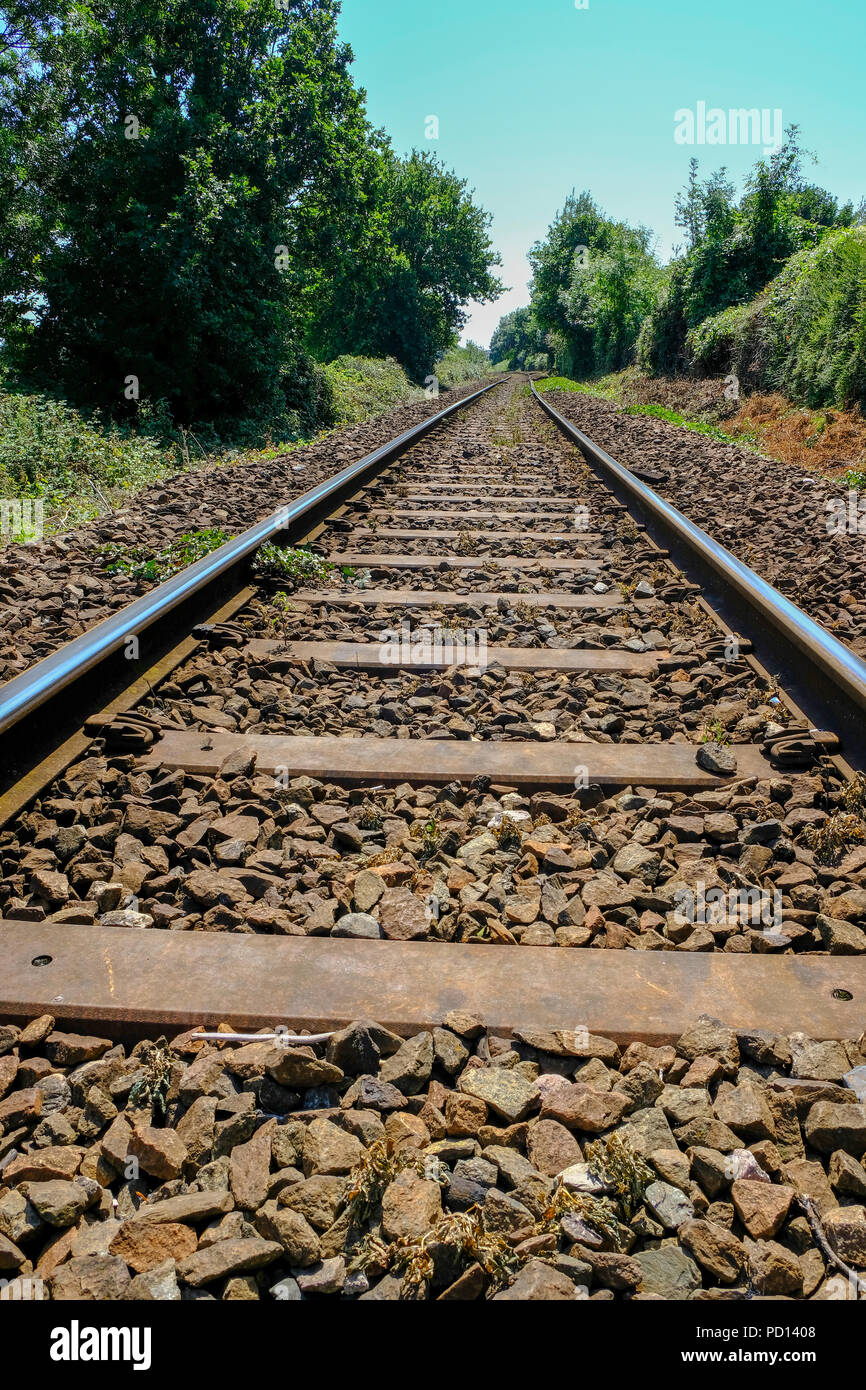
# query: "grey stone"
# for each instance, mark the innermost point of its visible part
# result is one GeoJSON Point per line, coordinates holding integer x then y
{"type": "Point", "coordinates": [668, 1272]}
{"type": "Point", "coordinates": [357, 924]}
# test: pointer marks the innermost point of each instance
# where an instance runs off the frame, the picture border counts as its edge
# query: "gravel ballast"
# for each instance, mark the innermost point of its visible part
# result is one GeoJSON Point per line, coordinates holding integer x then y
{"type": "Point", "coordinates": [450, 1165]}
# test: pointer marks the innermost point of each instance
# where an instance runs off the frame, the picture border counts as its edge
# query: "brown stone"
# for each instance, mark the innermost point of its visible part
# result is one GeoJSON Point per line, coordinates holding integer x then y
{"type": "Point", "coordinates": [551, 1148]}
{"type": "Point", "coordinates": [761, 1206]}
{"type": "Point", "coordinates": [250, 1168]}
{"type": "Point", "coordinates": [330, 1150]}
{"type": "Point", "coordinates": [143, 1246]}
{"type": "Point", "coordinates": [159, 1151]}
{"type": "Point", "coordinates": [411, 1206]}
{"type": "Point", "coordinates": [90, 1278]}
{"type": "Point", "coordinates": [464, 1115]}
{"type": "Point", "coordinates": [584, 1108]}
{"type": "Point", "coordinates": [227, 1257]}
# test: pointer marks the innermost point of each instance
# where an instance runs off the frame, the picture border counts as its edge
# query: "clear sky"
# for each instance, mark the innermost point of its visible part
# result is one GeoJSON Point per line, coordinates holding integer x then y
{"type": "Point", "coordinates": [536, 97]}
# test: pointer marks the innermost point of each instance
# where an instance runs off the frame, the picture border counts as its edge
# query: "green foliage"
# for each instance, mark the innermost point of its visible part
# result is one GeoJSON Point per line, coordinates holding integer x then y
{"type": "Point", "coordinates": [51, 451]}
{"type": "Point", "coordinates": [362, 387]}
{"type": "Point", "coordinates": [519, 344]}
{"type": "Point", "coordinates": [399, 289]}
{"type": "Point", "coordinates": [462, 364]}
{"type": "Point", "coordinates": [805, 334]}
{"type": "Point", "coordinates": [292, 566]}
{"type": "Point", "coordinates": [157, 252]}
{"type": "Point", "coordinates": [140, 563]}
{"type": "Point", "coordinates": [734, 251]}
{"type": "Point", "coordinates": [608, 390]}
{"type": "Point", "coordinates": [714, 732]}
{"type": "Point", "coordinates": [193, 204]}
{"type": "Point", "coordinates": [594, 280]}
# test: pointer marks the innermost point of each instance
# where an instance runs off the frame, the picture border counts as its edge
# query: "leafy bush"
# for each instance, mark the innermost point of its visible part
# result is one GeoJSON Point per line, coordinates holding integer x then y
{"type": "Point", "coordinates": [141, 563]}
{"type": "Point", "coordinates": [462, 364]}
{"type": "Point", "coordinates": [735, 249]}
{"type": "Point", "coordinates": [805, 334]}
{"type": "Point", "coordinates": [359, 388]}
{"type": "Point", "coordinates": [51, 451]}
{"type": "Point", "coordinates": [290, 566]}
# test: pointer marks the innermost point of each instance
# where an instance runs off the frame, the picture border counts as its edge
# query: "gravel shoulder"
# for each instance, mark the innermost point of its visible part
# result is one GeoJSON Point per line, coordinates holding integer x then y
{"type": "Point", "coordinates": [772, 516]}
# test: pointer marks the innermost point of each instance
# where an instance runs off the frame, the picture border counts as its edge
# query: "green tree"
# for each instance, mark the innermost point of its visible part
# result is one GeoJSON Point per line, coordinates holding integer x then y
{"type": "Point", "coordinates": [193, 143]}
{"type": "Point", "coordinates": [593, 281]}
{"type": "Point", "coordinates": [399, 288]}
{"type": "Point", "coordinates": [735, 249]}
{"type": "Point", "coordinates": [519, 342]}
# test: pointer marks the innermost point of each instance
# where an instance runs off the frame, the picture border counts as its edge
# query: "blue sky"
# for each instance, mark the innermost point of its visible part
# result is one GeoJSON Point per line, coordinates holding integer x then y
{"type": "Point", "coordinates": [536, 97]}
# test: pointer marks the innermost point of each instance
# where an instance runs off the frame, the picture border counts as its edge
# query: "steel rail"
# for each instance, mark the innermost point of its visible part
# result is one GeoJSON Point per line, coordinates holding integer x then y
{"type": "Point", "coordinates": [42, 682]}
{"type": "Point", "coordinates": [826, 668]}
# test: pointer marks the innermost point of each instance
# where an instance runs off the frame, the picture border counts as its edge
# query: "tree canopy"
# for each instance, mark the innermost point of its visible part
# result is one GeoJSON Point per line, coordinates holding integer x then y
{"type": "Point", "coordinates": [194, 202]}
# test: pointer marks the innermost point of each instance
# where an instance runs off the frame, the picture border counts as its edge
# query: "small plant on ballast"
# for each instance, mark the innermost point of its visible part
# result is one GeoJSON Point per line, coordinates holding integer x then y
{"type": "Point", "coordinates": [289, 566]}
{"type": "Point", "coordinates": [141, 563]}
{"type": "Point", "coordinates": [714, 732]}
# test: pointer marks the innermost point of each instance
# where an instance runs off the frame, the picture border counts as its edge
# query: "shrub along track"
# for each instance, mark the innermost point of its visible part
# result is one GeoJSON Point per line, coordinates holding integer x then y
{"type": "Point", "coordinates": [302, 823]}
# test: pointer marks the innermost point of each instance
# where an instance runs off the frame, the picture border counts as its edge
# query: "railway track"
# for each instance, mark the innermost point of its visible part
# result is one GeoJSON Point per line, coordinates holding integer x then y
{"type": "Point", "coordinates": [492, 770]}
{"type": "Point", "coordinates": [582, 797]}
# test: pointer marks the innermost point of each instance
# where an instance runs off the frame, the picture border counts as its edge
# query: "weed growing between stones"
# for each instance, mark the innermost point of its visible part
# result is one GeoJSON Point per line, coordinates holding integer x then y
{"type": "Point", "coordinates": [599, 1213]}
{"type": "Point", "coordinates": [370, 817]}
{"type": "Point", "coordinates": [464, 1238]}
{"type": "Point", "coordinates": [141, 563]}
{"type": "Point", "coordinates": [714, 732]}
{"type": "Point", "coordinates": [854, 795]}
{"type": "Point", "coordinates": [615, 1162]}
{"type": "Point", "coordinates": [369, 1179]}
{"type": "Point", "coordinates": [830, 840]}
{"type": "Point", "coordinates": [290, 566]}
{"type": "Point", "coordinates": [507, 834]}
{"type": "Point", "coordinates": [430, 836]}
{"type": "Point", "coordinates": [151, 1089]}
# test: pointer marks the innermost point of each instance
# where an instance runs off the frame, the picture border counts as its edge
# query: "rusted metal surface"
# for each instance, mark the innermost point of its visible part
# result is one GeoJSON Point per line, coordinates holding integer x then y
{"type": "Point", "coordinates": [582, 539]}
{"type": "Point", "coordinates": [497, 512]}
{"type": "Point", "coordinates": [393, 760]}
{"type": "Point", "coordinates": [111, 980]}
{"type": "Point", "coordinates": [374, 656]}
{"type": "Point", "coordinates": [482, 495]}
{"type": "Point", "coordinates": [447, 598]}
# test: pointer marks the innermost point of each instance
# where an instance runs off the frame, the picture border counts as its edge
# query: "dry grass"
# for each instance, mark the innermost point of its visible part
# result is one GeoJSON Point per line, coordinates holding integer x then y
{"type": "Point", "coordinates": [824, 441]}
{"type": "Point", "coordinates": [820, 441]}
